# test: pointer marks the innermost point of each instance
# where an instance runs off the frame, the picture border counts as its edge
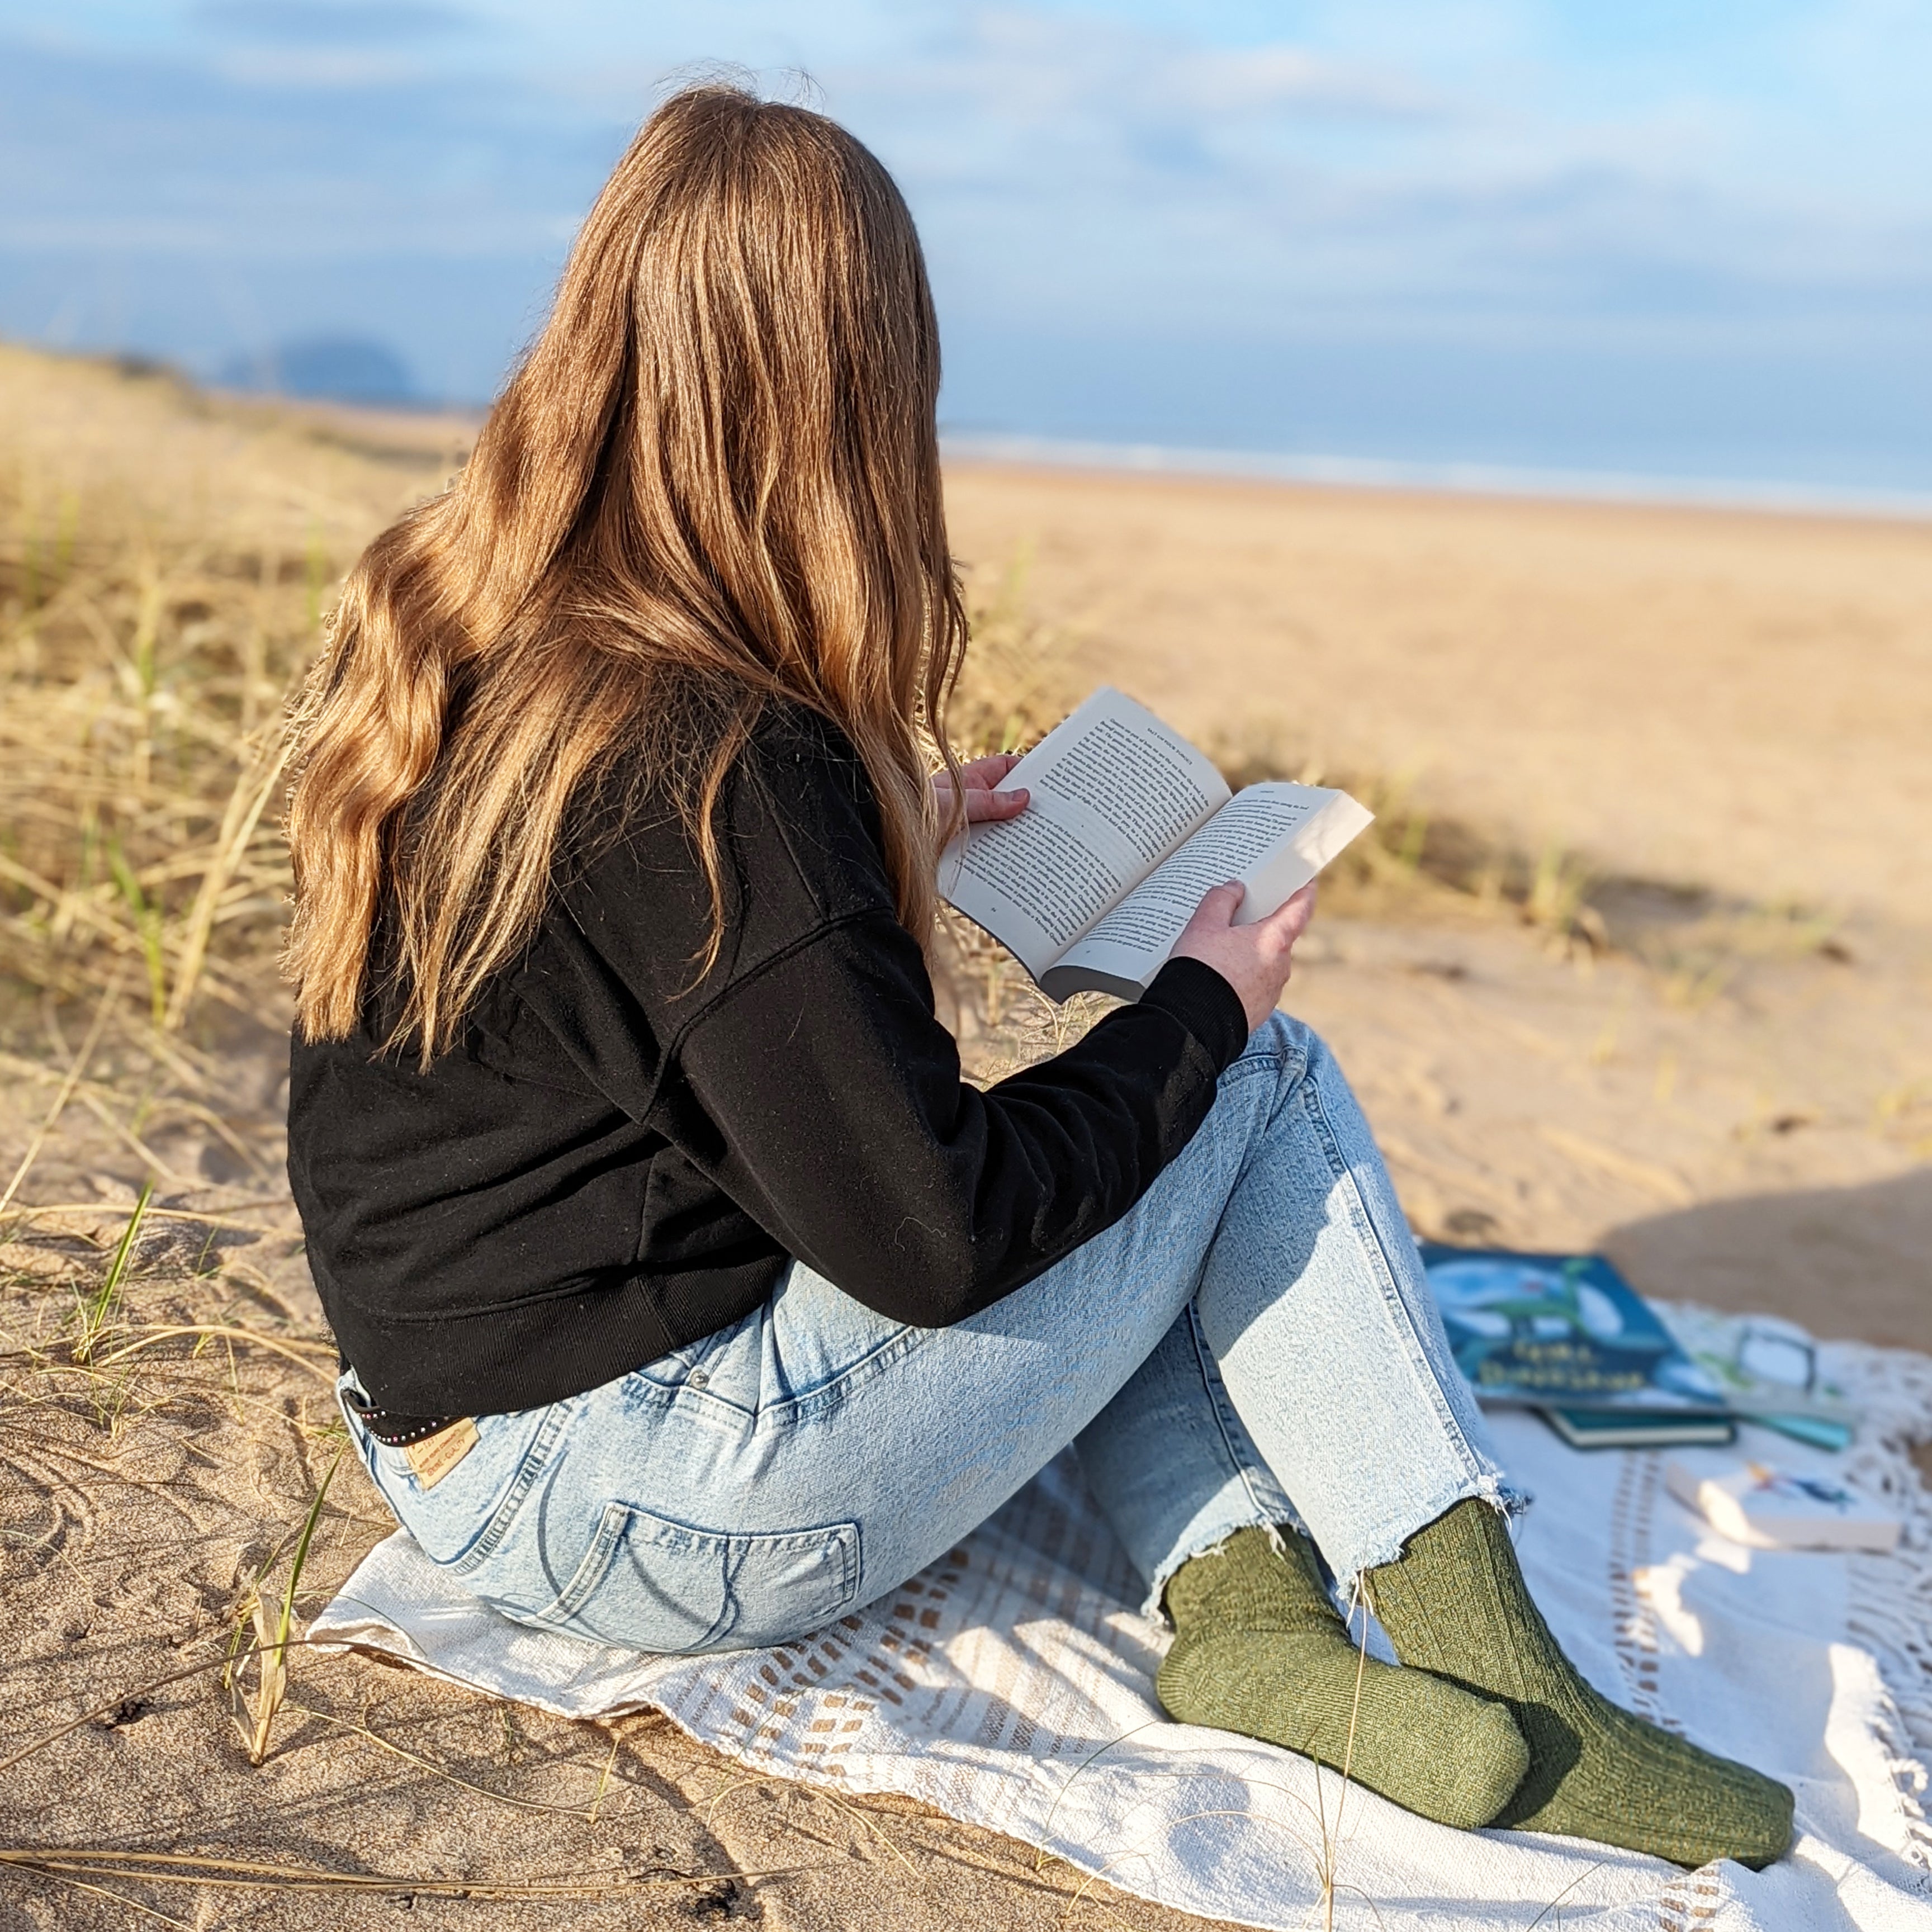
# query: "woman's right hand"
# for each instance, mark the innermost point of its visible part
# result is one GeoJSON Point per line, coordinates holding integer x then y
{"type": "Point", "coordinates": [1255, 960]}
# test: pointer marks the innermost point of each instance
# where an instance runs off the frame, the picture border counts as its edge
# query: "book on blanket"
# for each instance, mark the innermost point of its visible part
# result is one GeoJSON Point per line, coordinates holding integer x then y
{"type": "Point", "coordinates": [1765, 1507]}
{"type": "Point", "coordinates": [1129, 825]}
{"type": "Point", "coordinates": [1622, 1428]}
{"type": "Point", "coordinates": [1566, 1336]}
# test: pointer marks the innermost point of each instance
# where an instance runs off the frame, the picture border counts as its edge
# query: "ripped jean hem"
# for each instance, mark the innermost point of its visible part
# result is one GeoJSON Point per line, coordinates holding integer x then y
{"type": "Point", "coordinates": [1508, 1498]}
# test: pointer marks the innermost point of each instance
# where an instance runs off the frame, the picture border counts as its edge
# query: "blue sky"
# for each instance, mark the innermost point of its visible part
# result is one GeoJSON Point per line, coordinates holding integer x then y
{"type": "Point", "coordinates": [1610, 234]}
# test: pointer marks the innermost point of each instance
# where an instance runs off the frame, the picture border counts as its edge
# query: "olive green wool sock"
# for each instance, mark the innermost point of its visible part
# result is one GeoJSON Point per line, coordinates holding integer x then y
{"type": "Point", "coordinates": [1261, 1651]}
{"type": "Point", "coordinates": [1455, 1603]}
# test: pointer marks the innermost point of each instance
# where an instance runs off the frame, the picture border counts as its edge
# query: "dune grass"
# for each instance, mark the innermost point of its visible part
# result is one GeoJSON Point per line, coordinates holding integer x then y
{"type": "Point", "coordinates": [144, 654]}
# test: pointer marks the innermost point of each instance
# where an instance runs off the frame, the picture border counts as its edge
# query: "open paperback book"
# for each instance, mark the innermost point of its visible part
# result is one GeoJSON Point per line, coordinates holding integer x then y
{"type": "Point", "coordinates": [1128, 827]}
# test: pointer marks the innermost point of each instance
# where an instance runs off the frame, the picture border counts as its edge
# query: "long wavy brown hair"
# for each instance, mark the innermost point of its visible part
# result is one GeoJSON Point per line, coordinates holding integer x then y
{"type": "Point", "coordinates": [713, 482]}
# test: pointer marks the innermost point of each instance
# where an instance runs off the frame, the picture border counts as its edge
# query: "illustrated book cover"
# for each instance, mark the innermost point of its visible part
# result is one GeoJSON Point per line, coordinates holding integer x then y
{"type": "Point", "coordinates": [1567, 1335]}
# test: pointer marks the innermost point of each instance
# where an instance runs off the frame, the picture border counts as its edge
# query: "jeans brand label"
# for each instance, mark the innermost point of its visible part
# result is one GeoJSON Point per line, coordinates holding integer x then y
{"type": "Point", "coordinates": [435, 1456]}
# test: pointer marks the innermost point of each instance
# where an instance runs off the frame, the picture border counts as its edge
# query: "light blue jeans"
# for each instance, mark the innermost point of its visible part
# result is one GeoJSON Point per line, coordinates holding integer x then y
{"type": "Point", "coordinates": [1253, 1344]}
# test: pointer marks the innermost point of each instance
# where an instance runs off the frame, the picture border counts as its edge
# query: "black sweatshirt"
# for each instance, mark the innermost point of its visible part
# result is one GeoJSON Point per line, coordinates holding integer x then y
{"type": "Point", "coordinates": [615, 1162]}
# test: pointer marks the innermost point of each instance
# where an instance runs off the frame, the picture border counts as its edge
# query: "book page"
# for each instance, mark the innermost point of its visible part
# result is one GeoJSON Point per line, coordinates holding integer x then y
{"type": "Point", "coordinates": [1278, 876]}
{"type": "Point", "coordinates": [1273, 838]}
{"type": "Point", "coordinates": [1113, 791]}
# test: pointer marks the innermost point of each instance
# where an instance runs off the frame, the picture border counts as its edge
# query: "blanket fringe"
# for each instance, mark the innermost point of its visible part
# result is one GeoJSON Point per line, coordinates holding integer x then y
{"type": "Point", "coordinates": [1891, 1608]}
{"type": "Point", "coordinates": [1891, 1612]}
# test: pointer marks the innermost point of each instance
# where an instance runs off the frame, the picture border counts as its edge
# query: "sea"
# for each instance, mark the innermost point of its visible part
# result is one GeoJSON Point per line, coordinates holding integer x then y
{"type": "Point", "coordinates": [1790, 495]}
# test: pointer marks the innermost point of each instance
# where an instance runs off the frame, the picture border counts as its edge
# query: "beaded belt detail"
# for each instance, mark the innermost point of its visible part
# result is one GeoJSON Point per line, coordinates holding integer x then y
{"type": "Point", "coordinates": [393, 1431]}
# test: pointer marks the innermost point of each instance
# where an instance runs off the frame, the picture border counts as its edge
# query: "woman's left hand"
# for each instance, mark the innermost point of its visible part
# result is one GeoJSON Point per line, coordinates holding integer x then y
{"type": "Point", "coordinates": [982, 801]}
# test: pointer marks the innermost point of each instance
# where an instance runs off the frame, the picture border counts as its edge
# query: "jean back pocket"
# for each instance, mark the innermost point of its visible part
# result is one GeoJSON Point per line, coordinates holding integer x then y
{"type": "Point", "coordinates": [650, 1583]}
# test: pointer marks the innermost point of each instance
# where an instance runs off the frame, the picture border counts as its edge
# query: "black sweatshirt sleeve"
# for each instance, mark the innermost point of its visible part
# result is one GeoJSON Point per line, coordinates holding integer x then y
{"type": "Point", "coordinates": [824, 1095]}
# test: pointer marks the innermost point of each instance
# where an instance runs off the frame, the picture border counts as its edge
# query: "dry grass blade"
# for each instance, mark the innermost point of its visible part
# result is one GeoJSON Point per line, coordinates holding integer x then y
{"type": "Point", "coordinates": [255, 1718]}
{"type": "Point", "coordinates": [103, 1210]}
{"type": "Point", "coordinates": [248, 1874]}
{"type": "Point", "coordinates": [246, 804]}
{"type": "Point", "coordinates": [271, 1652]}
{"type": "Point", "coordinates": [122, 1697]}
{"type": "Point", "coordinates": [371, 1735]}
{"type": "Point", "coordinates": [1092, 1757]}
{"type": "Point", "coordinates": [106, 1891]}
{"type": "Point", "coordinates": [1590, 1872]}
{"type": "Point", "coordinates": [604, 1779]}
{"type": "Point", "coordinates": [218, 1330]}
{"type": "Point", "coordinates": [1331, 1834]}
{"type": "Point", "coordinates": [76, 1074]}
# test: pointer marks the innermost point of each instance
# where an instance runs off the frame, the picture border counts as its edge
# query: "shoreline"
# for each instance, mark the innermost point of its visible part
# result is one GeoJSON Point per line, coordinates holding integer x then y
{"type": "Point", "coordinates": [1495, 482]}
{"type": "Point", "coordinates": [417, 421]}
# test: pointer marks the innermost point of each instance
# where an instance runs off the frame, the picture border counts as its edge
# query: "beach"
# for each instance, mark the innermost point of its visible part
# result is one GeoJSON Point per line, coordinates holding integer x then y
{"type": "Point", "coordinates": [1737, 701]}
{"type": "Point", "coordinates": [1715, 720]}
{"type": "Point", "coordinates": [1642, 962]}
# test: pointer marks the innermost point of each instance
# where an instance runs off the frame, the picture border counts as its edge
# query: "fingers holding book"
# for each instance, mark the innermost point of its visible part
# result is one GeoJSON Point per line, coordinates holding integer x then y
{"type": "Point", "coordinates": [983, 803]}
{"type": "Point", "coordinates": [1256, 959]}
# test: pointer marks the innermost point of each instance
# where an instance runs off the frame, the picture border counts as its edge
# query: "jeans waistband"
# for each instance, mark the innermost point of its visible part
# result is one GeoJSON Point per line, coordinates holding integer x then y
{"type": "Point", "coordinates": [391, 1430]}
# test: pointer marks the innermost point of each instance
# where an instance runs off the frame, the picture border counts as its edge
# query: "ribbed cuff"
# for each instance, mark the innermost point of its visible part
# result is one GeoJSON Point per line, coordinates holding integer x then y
{"type": "Point", "coordinates": [1205, 1004]}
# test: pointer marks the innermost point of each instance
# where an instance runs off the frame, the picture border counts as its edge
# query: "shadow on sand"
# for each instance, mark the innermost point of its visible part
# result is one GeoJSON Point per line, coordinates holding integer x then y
{"type": "Point", "coordinates": [1848, 1263]}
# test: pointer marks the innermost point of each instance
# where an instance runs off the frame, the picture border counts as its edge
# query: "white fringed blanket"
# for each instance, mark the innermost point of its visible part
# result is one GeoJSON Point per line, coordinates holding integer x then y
{"type": "Point", "coordinates": [1012, 1685]}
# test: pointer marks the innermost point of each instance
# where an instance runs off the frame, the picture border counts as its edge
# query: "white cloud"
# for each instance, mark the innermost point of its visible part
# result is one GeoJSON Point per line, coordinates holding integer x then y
{"type": "Point", "coordinates": [1459, 168]}
{"type": "Point", "coordinates": [1062, 163]}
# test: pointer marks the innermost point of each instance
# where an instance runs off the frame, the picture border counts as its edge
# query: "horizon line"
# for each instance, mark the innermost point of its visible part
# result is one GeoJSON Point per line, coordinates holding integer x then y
{"type": "Point", "coordinates": [1454, 477]}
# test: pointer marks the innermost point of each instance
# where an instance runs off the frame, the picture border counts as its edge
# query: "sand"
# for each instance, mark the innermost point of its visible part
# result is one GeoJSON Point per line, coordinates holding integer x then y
{"type": "Point", "coordinates": [1722, 718]}
{"type": "Point", "coordinates": [1735, 1096]}
{"type": "Point", "coordinates": [1740, 701]}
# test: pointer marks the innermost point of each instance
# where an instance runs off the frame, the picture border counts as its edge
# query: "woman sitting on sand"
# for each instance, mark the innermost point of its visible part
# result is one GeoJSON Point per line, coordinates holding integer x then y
{"type": "Point", "coordinates": [689, 1297]}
